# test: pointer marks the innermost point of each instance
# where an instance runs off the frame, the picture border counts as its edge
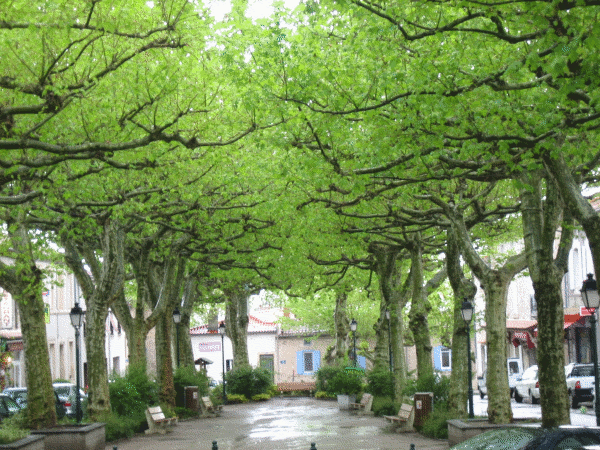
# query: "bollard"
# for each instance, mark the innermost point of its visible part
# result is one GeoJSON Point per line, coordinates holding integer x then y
{"type": "Point", "coordinates": [412, 446]}
{"type": "Point", "coordinates": [214, 447]}
{"type": "Point", "coordinates": [313, 446]}
{"type": "Point", "coordinates": [115, 448]}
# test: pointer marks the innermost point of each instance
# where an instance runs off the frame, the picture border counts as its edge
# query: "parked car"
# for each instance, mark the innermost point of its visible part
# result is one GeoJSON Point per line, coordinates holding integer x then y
{"type": "Point", "coordinates": [580, 383]}
{"type": "Point", "coordinates": [515, 370]}
{"type": "Point", "coordinates": [19, 395]}
{"type": "Point", "coordinates": [529, 438]}
{"type": "Point", "coordinates": [66, 393]}
{"type": "Point", "coordinates": [8, 406]}
{"type": "Point", "coordinates": [528, 386]}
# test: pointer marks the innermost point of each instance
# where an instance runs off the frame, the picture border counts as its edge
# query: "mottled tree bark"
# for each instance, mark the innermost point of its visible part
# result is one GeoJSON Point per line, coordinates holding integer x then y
{"type": "Point", "coordinates": [236, 319]}
{"type": "Point", "coordinates": [494, 283]}
{"type": "Point", "coordinates": [23, 280]}
{"type": "Point", "coordinates": [336, 354]}
{"type": "Point", "coordinates": [463, 289]}
{"type": "Point", "coordinates": [164, 361]}
{"type": "Point", "coordinates": [540, 222]}
{"type": "Point", "coordinates": [99, 290]}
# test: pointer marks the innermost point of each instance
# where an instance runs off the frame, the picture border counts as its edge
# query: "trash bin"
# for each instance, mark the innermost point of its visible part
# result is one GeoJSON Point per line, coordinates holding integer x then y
{"type": "Point", "coordinates": [423, 406]}
{"type": "Point", "coordinates": [191, 397]}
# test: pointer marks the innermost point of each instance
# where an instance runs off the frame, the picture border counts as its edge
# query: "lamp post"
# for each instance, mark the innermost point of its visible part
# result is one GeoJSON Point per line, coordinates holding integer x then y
{"type": "Point", "coordinates": [589, 294]}
{"type": "Point", "coordinates": [353, 325]}
{"type": "Point", "coordinates": [466, 311]}
{"type": "Point", "coordinates": [177, 319]}
{"type": "Point", "coordinates": [388, 317]}
{"type": "Point", "coordinates": [222, 333]}
{"type": "Point", "coordinates": [77, 320]}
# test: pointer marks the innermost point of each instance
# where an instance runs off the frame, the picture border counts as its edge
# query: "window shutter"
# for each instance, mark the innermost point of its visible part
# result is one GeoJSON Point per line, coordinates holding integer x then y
{"type": "Point", "coordinates": [316, 359]}
{"type": "Point", "coordinates": [362, 362]}
{"type": "Point", "coordinates": [437, 357]}
{"type": "Point", "coordinates": [300, 363]}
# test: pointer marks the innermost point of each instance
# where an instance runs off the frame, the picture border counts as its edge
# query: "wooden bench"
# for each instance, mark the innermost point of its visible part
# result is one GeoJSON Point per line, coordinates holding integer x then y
{"type": "Point", "coordinates": [366, 402]}
{"type": "Point", "coordinates": [157, 422]}
{"type": "Point", "coordinates": [405, 417]}
{"type": "Point", "coordinates": [210, 408]}
{"type": "Point", "coordinates": [289, 386]}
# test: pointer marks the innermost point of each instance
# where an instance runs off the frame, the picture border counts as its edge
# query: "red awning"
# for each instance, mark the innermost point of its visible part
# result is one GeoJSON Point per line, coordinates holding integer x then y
{"type": "Point", "coordinates": [571, 319]}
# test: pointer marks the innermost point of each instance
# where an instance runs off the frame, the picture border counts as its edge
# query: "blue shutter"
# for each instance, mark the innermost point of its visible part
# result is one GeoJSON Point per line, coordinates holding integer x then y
{"type": "Point", "coordinates": [316, 359]}
{"type": "Point", "coordinates": [300, 362]}
{"type": "Point", "coordinates": [362, 362]}
{"type": "Point", "coordinates": [437, 357]}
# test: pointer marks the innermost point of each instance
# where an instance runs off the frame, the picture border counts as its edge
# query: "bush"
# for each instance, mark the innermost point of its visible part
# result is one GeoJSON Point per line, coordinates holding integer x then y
{"type": "Point", "coordinates": [436, 383]}
{"type": "Point", "coordinates": [324, 375]}
{"type": "Point", "coordinates": [118, 427]}
{"type": "Point", "coordinates": [380, 383]}
{"type": "Point", "coordinates": [346, 382]}
{"type": "Point", "coordinates": [188, 376]}
{"type": "Point", "coordinates": [237, 398]}
{"type": "Point", "coordinates": [216, 395]}
{"type": "Point", "coordinates": [323, 394]}
{"type": "Point", "coordinates": [14, 428]}
{"type": "Point", "coordinates": [436, 426]}
{"type": "Point", "coordinates": [248, 381]}
{"type": "Point", "coordinates": [384, 406]}
{"type": "Point", "coordinates": [273, 391]}
{"type": "Point", "coordinates": [261, 397]}
{"type": "Point", "coordinates": [184, 413]}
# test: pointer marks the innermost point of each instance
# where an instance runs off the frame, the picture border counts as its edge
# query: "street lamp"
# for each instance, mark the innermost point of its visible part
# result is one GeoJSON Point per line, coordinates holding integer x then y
{"type": "Point", "coordinates": [388, 317]}
{"type": "Point", "coordinates": [589, 294]}
{"type": "Point", "coordinates": [353, 325]}
{"type": "Point", "coordinates": [177, 319]}
{"type": "Point", "coordinates": [222, 333]}
{"type": "Point", "coordinates": [466, 311]}
{"type": "Point", "coordinates": [77, 320]}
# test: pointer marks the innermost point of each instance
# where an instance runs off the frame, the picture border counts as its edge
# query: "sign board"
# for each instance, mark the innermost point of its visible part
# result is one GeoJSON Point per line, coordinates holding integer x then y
{"type": "Point", "coordinates": [586, 311]}
{"type": "Point", "coordinates": [194, 395]}
{"type": "Point", "coordinates": [210, 346]}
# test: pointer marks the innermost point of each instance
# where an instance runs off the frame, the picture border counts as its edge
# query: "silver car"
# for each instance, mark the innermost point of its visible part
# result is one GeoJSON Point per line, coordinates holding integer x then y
{"type": "Point", "coordinates": [66, 392]}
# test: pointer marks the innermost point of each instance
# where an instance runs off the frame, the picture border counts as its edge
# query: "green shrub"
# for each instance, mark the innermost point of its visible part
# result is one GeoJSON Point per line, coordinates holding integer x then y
{"type": "Point", "coordinates": [188, 376]}
{"type": "Point", "coordinates": [125, 400]}
{"type": "Point", "coordinates": [436, 383]}
{"type": "Point", "coordinates": [380, 383]}
{"type": "Point", "coordinates": [384, 406]}
{"type": "Point", "coordinates": [323, 394]}
{"type": "Point", "coordinates": [346, 382]}
{"type": "Point", "coordinates": [14, 428]}
{"type": "Point", "coordinates": [62, 380]}
{"type": "Point", "coordinates": [261, 397]}
{"type": "Point", "coordinates": [436, 426]}
{"type": "Point", "coordinates": [248, 381]}
{"type": "Point", "coordinates": [216, 395]}
{"type": "Point", "coordinates": [273, 391]}
{"type": "Point", "coordinates": [118, 427]}
{"type": "Point", "coordinates": [237, 398]}
{"type": "Point", "coordinates": [324, 375]}
{"type": "Point", "coordinates": [184, 413]}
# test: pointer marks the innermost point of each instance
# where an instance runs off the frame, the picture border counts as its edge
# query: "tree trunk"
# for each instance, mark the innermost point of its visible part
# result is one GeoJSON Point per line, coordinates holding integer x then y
{"type": "Point", "coordinates": [540, 222]}
{"type": "Point", "coordinates": [164, 362]}
{"type": "Point", "coordinates": [336, 354]}
{"type": "Point", "coordinates": [419, 326]}
{"type": "Point", "coordinates": [236, 319]}
{"type": "Point", "coordinates": [23, 280]}
{"type": "Point", "coordinates": [494, 283]}
{"type": "Point", "coordinates": [463, 289]}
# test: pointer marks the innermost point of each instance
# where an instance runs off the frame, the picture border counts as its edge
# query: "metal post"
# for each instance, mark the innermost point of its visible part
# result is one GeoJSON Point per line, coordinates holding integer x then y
{"type": "Point", "coordinates": [470, 376]}
{"type": "Point", "coordinates": [177, 326]}
{"type": "Point", "coordinates": [595, 359]}
{"type": "Point", "coordinates": [214, 447]}
{"type": "Point", "coordinates": [77, 396]}
{"type": "Point", "coordinates": [223, 358]}
{"type": "Point", "coordinates": [355, 358]}
{"type": "Point", "coordinates": [313, 446]}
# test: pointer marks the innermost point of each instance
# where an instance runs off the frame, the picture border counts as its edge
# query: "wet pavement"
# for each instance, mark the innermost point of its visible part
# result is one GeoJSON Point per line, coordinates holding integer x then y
{"type": "Point", "coordinates": [282, 423]}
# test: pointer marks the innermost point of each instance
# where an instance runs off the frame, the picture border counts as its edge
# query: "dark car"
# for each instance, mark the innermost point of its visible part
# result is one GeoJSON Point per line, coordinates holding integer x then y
{"type": "Point", "coordinates": [8, 406]}
{"type": "Point", "coordinates": [530, 438]}
{"type": "Point", "coordinates": [19, 395]}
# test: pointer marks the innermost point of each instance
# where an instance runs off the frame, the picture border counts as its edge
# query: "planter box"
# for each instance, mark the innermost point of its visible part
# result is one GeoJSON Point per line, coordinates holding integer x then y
{"type": "Point", "coordinates": [74, 437]}
{"type": "Point", "coordinates": [345, 400]}
{"type": "Point", "coordinates": [460, 430]}
{"type": "Point", "coordinates": [31, 442]}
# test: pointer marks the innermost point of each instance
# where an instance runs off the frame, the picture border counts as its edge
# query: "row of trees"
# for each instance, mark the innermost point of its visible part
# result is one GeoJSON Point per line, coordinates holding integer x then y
{"type": "Point", "coordinates": [347, 144]}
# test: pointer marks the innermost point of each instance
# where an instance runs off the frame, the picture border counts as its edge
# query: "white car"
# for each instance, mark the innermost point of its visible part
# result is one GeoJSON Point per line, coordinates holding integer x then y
{"type": "Point", "coordinates": [528, 386]}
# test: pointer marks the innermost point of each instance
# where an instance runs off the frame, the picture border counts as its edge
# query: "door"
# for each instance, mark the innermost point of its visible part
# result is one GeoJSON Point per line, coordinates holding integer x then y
{"type": "Point", "coordinates": [267, 362]}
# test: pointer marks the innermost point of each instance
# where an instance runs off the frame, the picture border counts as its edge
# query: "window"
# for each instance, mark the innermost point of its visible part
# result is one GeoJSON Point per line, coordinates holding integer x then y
{"type": "Point", "coordinates": [308, 361]}
{"type": "Point", "coordinates": [533, 306]}
{"type": "Point", "coordinates": [442, 358]}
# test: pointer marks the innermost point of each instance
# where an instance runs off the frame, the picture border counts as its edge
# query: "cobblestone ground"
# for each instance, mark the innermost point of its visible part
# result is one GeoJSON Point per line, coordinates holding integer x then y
{"type": "Point", "coordinates": [282, 423]}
